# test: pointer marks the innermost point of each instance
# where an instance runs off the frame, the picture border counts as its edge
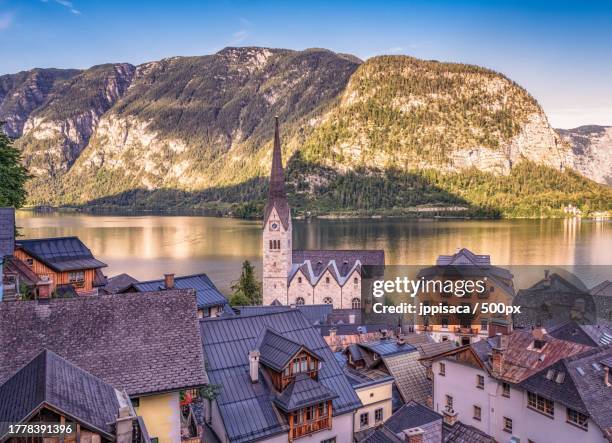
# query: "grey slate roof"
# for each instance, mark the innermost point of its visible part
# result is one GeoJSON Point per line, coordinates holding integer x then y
{"type": "Point", "coordinates": [410, 376]}
{"type": "Point", "coordinates": [246, 408]}
{"type": "Point", "coordinates": [118, 283]}
{"type": "Point", "coordinates": [61, 253]}
{"type": "Point", "coordinates": [206, 292]}
{"type": "Point", "coordinates": [53, 381]}
{"type": "Point", "coordinates": [590, 335]}
{"type": "Point", "coordinates": [277, 351]}
{"type": "Point", "coordinates": [142, 344]}
{"type": "Point", "coordinates": [381, 435]}
{"type": "Point", "coordinates": [301, 392]}
{"type": "Point", "coordinates": [591, 388]}
{"type": "Point", "coordinates": [411, 415]}
{"type": "Point", "coordinates": [386, 348]}
{"type": "Point", "coordinates": [462, 433]}
{"type": "Point", "coordinates": [7, 231]}
{"type": "Point", "coordinates": [315, 314]}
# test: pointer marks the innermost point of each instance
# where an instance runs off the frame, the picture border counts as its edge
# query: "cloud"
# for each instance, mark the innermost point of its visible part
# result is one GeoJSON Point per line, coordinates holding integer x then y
{"type": "Point", "coordinates": [395, 49]}
{"type": "Point", "coordinates": [66, 4]}
{"type": "Point", "coordinates": [6, 20]}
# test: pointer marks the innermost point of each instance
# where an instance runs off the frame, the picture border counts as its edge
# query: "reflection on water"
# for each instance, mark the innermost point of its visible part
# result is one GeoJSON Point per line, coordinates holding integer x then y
{"type": "Point", "coordinates": [148, 246]}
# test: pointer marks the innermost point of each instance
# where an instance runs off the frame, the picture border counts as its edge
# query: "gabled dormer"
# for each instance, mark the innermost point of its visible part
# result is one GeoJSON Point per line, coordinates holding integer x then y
{"type": "Point", "coordinates": [283, 359]}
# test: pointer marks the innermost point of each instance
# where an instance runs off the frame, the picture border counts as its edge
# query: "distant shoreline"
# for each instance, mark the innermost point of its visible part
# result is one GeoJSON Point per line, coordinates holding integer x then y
{"type": "Point", "coordinates": [405, 213]}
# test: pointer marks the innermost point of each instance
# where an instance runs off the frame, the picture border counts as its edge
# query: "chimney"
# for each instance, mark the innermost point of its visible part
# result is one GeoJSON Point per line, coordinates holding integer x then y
{"type": "Point", "coordinates": [401, 341]}
{"type": "Point", "coordinates": [450, 416]}
{"type": "Point", "coordinates": [124, 425]}
{"type": "Point", "coordinates": [499, 326]}
{"type": "Point", "coordinates": [169, 281]}
{"type": "Point", "coordinates": [497, 354]}
{"type": "Point", "coordinates": [254, 366]}
{"type": "Point", "coordinates": [414, 435]}
{"type": "Point", "coordinates": [43, 288]}
{"type": "Point", "coordinates": [607, 382]}
{"type": "Point", "coordinates": [332, 332]}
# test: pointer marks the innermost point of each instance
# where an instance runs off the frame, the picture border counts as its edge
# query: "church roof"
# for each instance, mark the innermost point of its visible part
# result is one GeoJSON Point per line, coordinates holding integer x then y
{"type": "Point", "coordinates": [277, 196]}
{"type": "Point", "coordinates": [340, 263]}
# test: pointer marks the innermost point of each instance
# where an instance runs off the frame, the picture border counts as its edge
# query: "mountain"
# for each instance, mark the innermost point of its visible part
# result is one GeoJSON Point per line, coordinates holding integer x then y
{"type": "Point", "coordinates": [390, 134]}
{"type": "Point", "coordinates": [592, 149]}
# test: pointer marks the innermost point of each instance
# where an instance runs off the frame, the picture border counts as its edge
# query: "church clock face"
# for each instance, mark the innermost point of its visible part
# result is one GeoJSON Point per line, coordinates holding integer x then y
{"type": "Point", "coordinates": [274, 226]}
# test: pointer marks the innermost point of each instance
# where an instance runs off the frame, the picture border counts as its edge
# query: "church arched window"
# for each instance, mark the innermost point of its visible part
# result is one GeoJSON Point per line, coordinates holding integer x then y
{"type": "Point", "coordinates": [328, 301]}
{"type": "Point", "coordinates": [356, 303]}
{"type": "Point", "coordinates": [300, 301]}
{"type": "Point", "coordinates": [355, 280]}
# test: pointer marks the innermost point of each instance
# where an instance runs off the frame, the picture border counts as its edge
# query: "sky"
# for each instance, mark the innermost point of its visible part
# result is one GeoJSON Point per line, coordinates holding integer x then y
{"type": "Point", "coordinates": [560, 51]}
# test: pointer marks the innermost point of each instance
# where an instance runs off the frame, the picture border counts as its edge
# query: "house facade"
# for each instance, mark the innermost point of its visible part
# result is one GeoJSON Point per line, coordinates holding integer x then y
{"type": "Point", "coordinates": [465, 265]}
{"type": "Point", "coordinates": [305, 276]}
{"type": "Point", "coordinates": [524, 387]}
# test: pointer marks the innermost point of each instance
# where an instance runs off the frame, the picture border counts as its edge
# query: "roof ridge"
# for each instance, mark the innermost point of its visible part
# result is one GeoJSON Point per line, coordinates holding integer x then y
{"type": "Point", "coordinates": [50, 238]}
{"type": "Point", "coordinates": [175, 278]}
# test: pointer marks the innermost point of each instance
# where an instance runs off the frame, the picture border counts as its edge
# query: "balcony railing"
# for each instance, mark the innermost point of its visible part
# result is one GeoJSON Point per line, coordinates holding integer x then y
{"type": "Point", "coordinates": [310, 427]}
{"type": "Point", "coordinates": [465, 331]}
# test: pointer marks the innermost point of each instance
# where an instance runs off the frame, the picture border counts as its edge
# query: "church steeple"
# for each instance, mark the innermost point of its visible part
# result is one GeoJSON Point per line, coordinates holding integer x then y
{"type": "Point", "coordinates": [277, 196]}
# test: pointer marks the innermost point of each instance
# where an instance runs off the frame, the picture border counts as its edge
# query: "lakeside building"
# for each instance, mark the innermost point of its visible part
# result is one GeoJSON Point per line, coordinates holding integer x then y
{"type": "Point", "coordinates": [527, 386]}
{"type": "Point", "coordinates": [147, 345]}
{"type": "Point", "coordinates": [279, 381]}
{"type": "Point", "coordinates": [45, 267]}
{"type": "Point", "coordinates": [305, 276]}
{"type": "Point", "coordinates": [210, 301]}
{"type": "Point", "coordinates": [465, 265]}
{"type": "Point", "coordinates": [49, 389]}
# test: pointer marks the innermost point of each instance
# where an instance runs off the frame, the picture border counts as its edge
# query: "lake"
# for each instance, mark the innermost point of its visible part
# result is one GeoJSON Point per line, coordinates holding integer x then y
{"type": "Point", "coordinates": [148, 246]}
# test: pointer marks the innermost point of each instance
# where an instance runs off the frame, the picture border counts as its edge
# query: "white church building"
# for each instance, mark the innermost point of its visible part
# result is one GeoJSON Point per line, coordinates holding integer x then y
{"type": "Point", "coordinates": [305, 276]}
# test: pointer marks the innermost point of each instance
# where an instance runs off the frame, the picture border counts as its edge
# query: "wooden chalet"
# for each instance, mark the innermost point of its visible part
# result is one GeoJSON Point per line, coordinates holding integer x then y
{"type": "Point", "coordinates": [64, 266]}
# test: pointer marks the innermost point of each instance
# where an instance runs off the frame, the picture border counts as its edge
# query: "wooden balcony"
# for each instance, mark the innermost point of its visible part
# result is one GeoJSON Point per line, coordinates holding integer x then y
{"type": "Point", "coordinates": [465, 331]}
{"type": "Point", "coordinates": [303, 429]}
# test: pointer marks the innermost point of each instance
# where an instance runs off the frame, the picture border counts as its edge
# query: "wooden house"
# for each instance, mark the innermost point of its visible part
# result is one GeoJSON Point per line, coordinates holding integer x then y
{"type": "Point", "coordinates": [63, 265]}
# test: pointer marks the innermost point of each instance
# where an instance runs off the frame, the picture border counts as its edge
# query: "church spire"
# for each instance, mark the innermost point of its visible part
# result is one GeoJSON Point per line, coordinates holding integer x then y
{"type": "Point", "coordinates": [277, 174]}
{"type": "Point", "coordinates": [277, 196]}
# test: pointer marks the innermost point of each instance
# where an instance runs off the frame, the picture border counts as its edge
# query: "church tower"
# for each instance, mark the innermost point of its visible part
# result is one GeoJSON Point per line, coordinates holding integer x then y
{"type": "Point", "coordinates": [277, 247]}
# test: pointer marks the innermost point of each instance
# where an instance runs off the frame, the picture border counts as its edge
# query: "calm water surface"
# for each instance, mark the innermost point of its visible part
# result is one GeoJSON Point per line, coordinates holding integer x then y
{"type": "Point", "coordinates": [148, 246]}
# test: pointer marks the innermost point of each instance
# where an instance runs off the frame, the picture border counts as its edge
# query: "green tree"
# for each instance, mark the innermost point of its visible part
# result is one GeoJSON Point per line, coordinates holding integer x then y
{"type": "Point", "coordinates": [239, 299]}
{"type": "Point", "coordinates": [13, 174]}
{"type": "Point", "coordinates": [247, 286]}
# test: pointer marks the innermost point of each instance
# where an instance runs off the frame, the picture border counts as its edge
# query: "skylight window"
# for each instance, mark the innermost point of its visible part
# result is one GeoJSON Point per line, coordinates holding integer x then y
{"type": "Point", "coordinates": [580, 370]}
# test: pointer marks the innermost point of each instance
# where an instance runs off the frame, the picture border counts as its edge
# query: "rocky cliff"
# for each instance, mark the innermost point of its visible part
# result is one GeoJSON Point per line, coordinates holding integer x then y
{"type": "Point", "coordinates": [591, 151]}
{"type": "Point", "coordinates": [202, 126]}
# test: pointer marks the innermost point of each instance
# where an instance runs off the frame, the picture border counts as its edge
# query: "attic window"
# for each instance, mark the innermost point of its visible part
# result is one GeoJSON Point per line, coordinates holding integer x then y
{"type": "Point", "coordinates": [327, 280]}
{"type": "Point", "coordinates": [560, 377]}
{"type": "Point", "coordinates": [538, 344]}
{"type": "Point", "coordinates": [299, 279]}
{"type": "Point", "coordinates": [355, 280]}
